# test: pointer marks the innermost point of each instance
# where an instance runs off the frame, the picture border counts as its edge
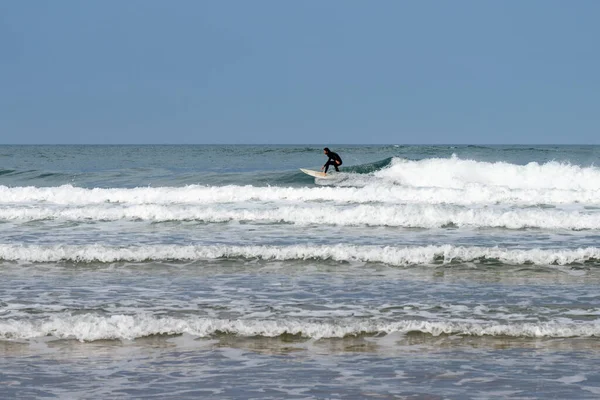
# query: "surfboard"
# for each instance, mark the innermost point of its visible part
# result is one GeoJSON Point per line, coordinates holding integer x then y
{"type": "Point", "coordinates": [316, 174]}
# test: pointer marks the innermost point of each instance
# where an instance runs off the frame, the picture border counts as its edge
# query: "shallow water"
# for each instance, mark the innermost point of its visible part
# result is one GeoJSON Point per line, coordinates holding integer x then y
{"type": "Point", "coordinates": [417, 272]}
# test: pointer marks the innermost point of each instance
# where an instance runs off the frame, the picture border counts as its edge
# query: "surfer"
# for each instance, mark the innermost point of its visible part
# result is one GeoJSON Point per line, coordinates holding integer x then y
{"type": "Point", "coordinates": [334, 159]}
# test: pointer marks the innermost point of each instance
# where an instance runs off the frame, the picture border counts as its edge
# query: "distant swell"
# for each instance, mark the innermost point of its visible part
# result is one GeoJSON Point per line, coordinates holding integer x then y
{"type": "Point", "coordinates": [395, 256]}
{"type": "Point", "coordinates": [89, 327]}
{"type": "Point", "coordinates": [6, 171]}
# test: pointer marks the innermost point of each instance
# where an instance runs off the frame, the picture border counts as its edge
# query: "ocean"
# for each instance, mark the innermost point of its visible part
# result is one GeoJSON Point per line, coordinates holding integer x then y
{"type": "Point", "coordinates": [192, 271]}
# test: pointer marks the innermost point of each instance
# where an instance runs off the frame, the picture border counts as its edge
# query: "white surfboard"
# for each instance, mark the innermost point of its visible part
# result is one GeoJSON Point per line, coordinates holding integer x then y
{"type": "Point", "coordinates": [316, 174]}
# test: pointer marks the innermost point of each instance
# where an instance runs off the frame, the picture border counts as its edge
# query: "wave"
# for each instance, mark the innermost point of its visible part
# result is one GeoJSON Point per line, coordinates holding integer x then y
{"type": "Point", "coordinates": [369, 167]}
{"type": "Point", "coordinates": [195, 194]}
{"type": "Point", "coordinates": [33, 174]}
{"type": "Point", "coordinates": [91, 327]}
{"type": "Point", "coordinates": [6, 171]}
{"type": "Point", "coordinates": [433, 180]}
{"type": "Point", "coordinates": [458, 173]}
{"type": "Point", "coordinates": [407, 216]}
{"type": "Point", "coordinates": [257, 150]}
{"type": "Point", "coordinates": [394, 256]}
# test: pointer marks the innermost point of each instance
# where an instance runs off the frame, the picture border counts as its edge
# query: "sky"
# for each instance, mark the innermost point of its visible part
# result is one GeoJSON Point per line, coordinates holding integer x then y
{"type": "Point", "coordinates": [294, 72]}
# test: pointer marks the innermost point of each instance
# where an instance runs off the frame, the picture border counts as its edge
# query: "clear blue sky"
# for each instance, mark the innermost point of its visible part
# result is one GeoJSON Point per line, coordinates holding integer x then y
{"type": "Point", "coordinates": [399, 72]}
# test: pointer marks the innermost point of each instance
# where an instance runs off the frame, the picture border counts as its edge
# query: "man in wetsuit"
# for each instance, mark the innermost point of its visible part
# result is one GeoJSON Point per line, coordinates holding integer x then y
{"type": "Point", "coordinates": [334, 159]}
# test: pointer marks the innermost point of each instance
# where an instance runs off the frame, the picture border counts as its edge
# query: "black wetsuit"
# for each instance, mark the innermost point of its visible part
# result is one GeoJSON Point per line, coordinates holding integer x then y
{"type": "Point", "coordinates": [333, 157]}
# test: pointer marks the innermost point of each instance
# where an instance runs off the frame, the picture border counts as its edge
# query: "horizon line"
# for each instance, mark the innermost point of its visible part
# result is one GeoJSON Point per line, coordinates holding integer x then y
{"type": "Point", "coordinates": [299, 144]}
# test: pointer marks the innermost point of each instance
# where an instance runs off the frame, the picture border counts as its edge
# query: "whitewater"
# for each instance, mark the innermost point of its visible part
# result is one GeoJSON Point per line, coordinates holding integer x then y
{"type": "Point", "coordinates": [466, 263]}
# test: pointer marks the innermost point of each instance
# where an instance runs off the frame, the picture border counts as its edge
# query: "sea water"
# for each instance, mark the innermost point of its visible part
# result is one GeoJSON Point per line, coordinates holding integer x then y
{"type": "Point", "coordinates": [417, 272]}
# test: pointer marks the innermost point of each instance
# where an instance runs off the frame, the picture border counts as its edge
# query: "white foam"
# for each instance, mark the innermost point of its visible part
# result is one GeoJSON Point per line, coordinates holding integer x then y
{"type": "Point", "coordinates": [572, 379]}
{"type": "Point", "coordinates": [414, 190]}
{"type": "Point", "coordinates": [458, 173]}
{"type": "Point", "coordinates": [411, 216]}
{"type": "Point", "coordinates": [395, 256]}
{"type": "Point", "coordinates": [90, 327]}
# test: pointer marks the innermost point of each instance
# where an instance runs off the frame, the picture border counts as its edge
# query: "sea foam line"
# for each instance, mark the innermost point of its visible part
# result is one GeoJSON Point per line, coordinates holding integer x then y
{"type": "Point", "coordinates": [395, 256]}
{"type": "Point", "coordinates": [410, 216]}
{"type": "Point", "coordinates": [468, 194]}
{"type": "Point", "coordinates": [90, 327]}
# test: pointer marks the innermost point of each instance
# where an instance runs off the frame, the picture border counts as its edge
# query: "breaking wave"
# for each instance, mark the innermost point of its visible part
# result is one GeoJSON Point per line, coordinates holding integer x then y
{"type": "Point", "coordinates": [395, 256]}
{"type": "Point", "coordinates": [458, 173]}
{"type": "Point", "coordinates": [408, 216]}
{"type": "Point", "coordinates": [91, 327]}
{"type": "Point", "coordinates": [472, 194]}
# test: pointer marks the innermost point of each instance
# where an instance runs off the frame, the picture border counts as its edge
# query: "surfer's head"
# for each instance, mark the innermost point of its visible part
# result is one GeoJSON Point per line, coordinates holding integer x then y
{"type": "Point", "coordinates": [326, 150]}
